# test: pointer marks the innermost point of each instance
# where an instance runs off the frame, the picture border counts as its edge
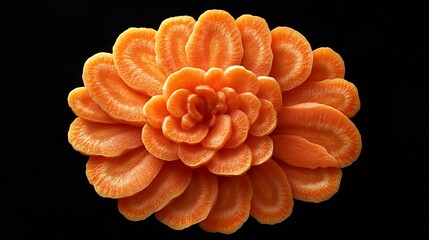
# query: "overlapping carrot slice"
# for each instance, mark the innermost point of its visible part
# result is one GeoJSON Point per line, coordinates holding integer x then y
{"type": "Point", "coordinates": [134, 56]}
{"type": "Point", "coordinates": [231, 162]}
{"type": "Point", "coordinates": [232, 206]}
{"type": "Point", "coordinates": [195, 155]}
{"type": "Point", "coordinates": [250, 105]}
{"type": "Point", "coordinates": [272, 200]}
{"type": "Point", "coordinates": [266, 121]}
{"type": "Point", "coordinates": [239, 128]}
{"type": "Point", "coordinates": [170, 41]}
{"type": "Point", "coordinates": [158, 145]}
{"type": "Point", "coordinates": [241, 80]}
{"type": "Point", "coordinates": [327, 64]}
{"type": "Point", "coordinates": [94, 138]}
{"type": "Point", "coordinates": [215, 41]}
{"type": "Point", "coordinates": [338, 93]}
{"type": "Point", "coordinates": [293, 57]}
{"type": "Point", "coordinates": [187, 78]}
{"type": "Point", "coordinates": [270, 90]}
{"type": "Point", "coordinates": [172, 129]}
{"type": "Point", "coordinates": [323, 125]}
{"type": "Point", "coordinates": [83, 106]}
{"type": "Point", "coordinates": [195, 203]}
{"type": "Point", "coordinates": [261, 147]}
{"type": "Point", "coordinates": [171, 182]}
{"type": "Point", "coordinates": [313, 185]}
{"type": "Point", "coordinates": [121, 176]}
{"type": "Point", "coordinates": [256, 40]}
{"type": "Point", "coordinates": [155, 110]}
{"type": "Point", "coordinates": [219, 134]}
{"type": "Point", "coordinates": [110, 92]}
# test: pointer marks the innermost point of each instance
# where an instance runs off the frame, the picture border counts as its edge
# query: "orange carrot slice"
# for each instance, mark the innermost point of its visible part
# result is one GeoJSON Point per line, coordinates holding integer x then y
{"type": "Point", "coordinates": [323, 125]}
{"type": "Point", "coordinates": [232, 208]}
{"type": "Point", "coordinates": [170, 41]}
{"type": "Point", "coordinates": [298, 151]}
{"type": "Point", "coordinates": [176, 103]}
{"type": "Point", "coordinates": [111, 93]}
{"type": "Point", "coordinates": [173, 130]}
{"type": "Point", "coordinates": [187, 78]}
{"type": "Point", "coordinates": [231, 162]}
{"type": "Point", "coordinates": [215, 41]}
{"type": "Point", "coordinates": [293, 57]}
{"type": "Point", "coordinates": [256, 40]}
{"type": "Point", "coordinates": [313, 185]}
{"type": "Point", "coordinates": [195, 155]}
{"type": "Point", "coordinates": [214, 78]}
{"type": "Point", "coordinates": [272, 200]}
{"type": "Point", "coordinates": [241, 80]}
{"type": "Point", "coordinates": [122, 176]}
{"type": "Point", "coordinates": [194, 204]}
{"type": "Point", "coordinates": [261, 147]}
{"type": "Point", "coordinates": [155, 110]}
{"type": "Point", "coordinates": [270, 90]}
{"type": "Point", "coordinates": [239, 128]}
{"type": "Point", "coordinates": [93, 138]}
{"type": "Point", "coordinates": [250, 105]}
{"type": "Point", "coordinates": [83, 106]}
{"type": "Point", "coordinates": [338, 93]}
{"type": "Point", "coordinates": [134, 56]}
{"type": "Point", "coordinates": [231, 99]}
{"type": "Point", "coordinates": [158, 145]}
{"type": "Point", "coordinates": [219, 134]}
{"type": "Point", "coordinates": [266, 121]}
{"type": "Point", "coordinates": [327, 64]}
{"type": "Point", "coordinates": [171, 182]}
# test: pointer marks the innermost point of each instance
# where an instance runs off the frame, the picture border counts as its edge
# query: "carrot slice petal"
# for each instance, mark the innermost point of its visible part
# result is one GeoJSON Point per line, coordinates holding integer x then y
{"type": "Point", "coordinates": [93, 138]}
{"type": "Point", "coordinates": [219, 134]}
{"type": "Point", "coordinates": [266, 121]}
{"type": "Point", "coordinates": [232, 208]}
{"type": "Point", "coordinates": [270, 90]}
{"type": "Point", "coordinates": [256, 40]}
{"type": "Point", "coordinates": [293, 57]}
{"type": "Point", "coordinates": [298, 151]}
{"type": "Point", "coordinates": [231, 161]}
{"type": "Point", "coordinates": [241, 80]}
{"type": "Point", "coordinates": [272, 200]}
{"type": "Point", "coordinates": [194, 205]}
{"type": "Point", "coordinates": [134, 56]}
{"type": "Point", "coordinates": [155, 110]}
{"type": "Point", "coordinates": [195, 155]}
{"type": "Point", "coordinates": [327, 64]}
{"type": "Point", "coordinates": [239, 128]}
{"type": "Point", "coordinates": [122, 176]}
{"type": "Point", "coordinates": [313, 185]}
{"type": "Point", "coordinates": [338, 93]}
{"type": "Point", "coordinates": [170, 41]}
{"type": "Point", "coordinates": [215, 41]}
{"type": "Point", "coordinates": [323, 125]}
{"type": "Point", "coordinates": [171, 182]}
{"type": "Point", "coordinates": [173, 130]}
{"type": "Point", "coordinates": [158, 145]}
{"type": "Point", "coordinates": [176, 103]}
{"type": "Point", "coordinates": [83, 106]}
{"type": "Point", "coordinates": [187, 78]}
{"type": "Point", "coordinates": [261, 147]}
{"type": "Point", "coordinates": [110, 92]}
{"type": "Point", "coordinates": [250, 105]}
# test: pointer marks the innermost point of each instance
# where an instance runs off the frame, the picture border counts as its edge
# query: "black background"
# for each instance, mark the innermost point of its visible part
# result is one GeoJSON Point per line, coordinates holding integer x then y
{"type": "Point", "coordinates": [45, 192]}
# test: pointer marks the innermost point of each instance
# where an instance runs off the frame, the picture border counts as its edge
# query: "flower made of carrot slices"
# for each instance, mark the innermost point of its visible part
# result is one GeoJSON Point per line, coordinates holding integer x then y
{"type": "Point", "coordinates": [213, 120]}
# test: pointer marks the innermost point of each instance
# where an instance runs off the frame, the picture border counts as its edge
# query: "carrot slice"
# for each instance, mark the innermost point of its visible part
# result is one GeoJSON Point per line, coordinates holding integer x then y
{"type": "Point", "coordinates": [231, 161]}
{"type": "Point", "coordinates": [241, 80]}
{"type": "Point", "coordinates": [171, 182]}
{"type": "Point", "coordinates": [327, 64]}
{"type": "Point", "coordinates": [293, 57]}
{"type": "Point", "coordinates": [155, 110]}
{"type": "Point", "coordinates": [219, 134]}
{"type": "Point", "coordinates": [195, 155]}
{"type": "Point", "coordinates": [272, 200]}
{"type": "Point", "coordinates": [313, 185]}
{"type": "Point", "coordinates": [215, 41]}
{"type": "Point", "coordinates": [122, 176]}
{"type": "Point", "coordinates": [266, 121]}
{"type": "Point", "coordinates": [194, 204]}
{"type": "Point", "coordinates": [83, 106]}
{"type": "Point", "coordinates": [298, 151]}
{"type": "Point", "coordinates": [231, 99]}
{"type": "Point", "coordinates": [323, 125]}
{"type": "Point", "coordinates": [176, 103]}
{"type": "Point", "coordinates": [261, 147]}
{"type": "Point", "coordinates": [256, 40]}
{"type": "Point", "coordinates": [173, 130]}
{"type": "Point", "coordinates": [170, 41]}
{"type": "Point", "coordinates": [239, 128]}
{"type": "Point", "coordinates": [232, 208]}
{"type": "Point", "coordinates": [250, 105]}
{"type": "Point", "coordinates": [111, 93]}
{"type": "Point", "coordinates": [214, 78]}
{"type": "Point", "coordinates": [158, 145]}
{"type": "Point", "coordinates": [187, 78]}
{"type": "Point", "coordinates": [93, 138]}
{"type": "Point", "coordinates": [134, 56]}
{"type": "Point", "coordinates": [270, 90]}
{"type": "Point", "coordinates": [338, 93]}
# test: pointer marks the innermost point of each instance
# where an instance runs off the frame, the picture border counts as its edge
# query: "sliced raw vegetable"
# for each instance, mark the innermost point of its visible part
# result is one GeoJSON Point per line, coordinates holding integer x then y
{"type": "Point", "coordinates": [250, 105]}
{"type": "Point", "coordinates": [155, 110]}
{"type": "Point", "coordinates": [187, 78]}
{"type": "Point", "coordinates": [239, 128]}
{"type": "Point", "coordinates": [327, 64]}
{"type": "Point", "coordinates": [241, 80]}
{"type": "Point", "coordinates": [172, 129]}
{"type": "Point", "coordinates": [261, 147]}
{"type": "Point", "coordinates": [219, 134]}
{"type": "Point", "coordinates": [270, 90]}
{"type": "Point", "coordinates": [266, 121]}
{"type": "Point", "coordinates": [158, 145]}
{"type": "Point", "coordinates": [195, 155]}
{"type": "Point", "coordinates": [231, 162]}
